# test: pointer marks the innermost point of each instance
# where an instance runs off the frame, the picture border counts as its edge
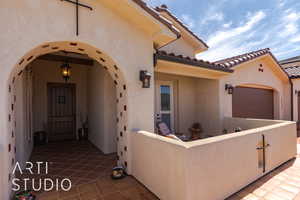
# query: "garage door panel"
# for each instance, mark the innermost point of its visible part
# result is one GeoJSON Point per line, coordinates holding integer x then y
{"type": "Point", "coordinates": [253, 103]}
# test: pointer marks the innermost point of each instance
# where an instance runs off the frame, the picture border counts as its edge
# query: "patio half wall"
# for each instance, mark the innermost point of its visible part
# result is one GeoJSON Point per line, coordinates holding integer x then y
{"type": "Point", "coordinates": [212, 168]}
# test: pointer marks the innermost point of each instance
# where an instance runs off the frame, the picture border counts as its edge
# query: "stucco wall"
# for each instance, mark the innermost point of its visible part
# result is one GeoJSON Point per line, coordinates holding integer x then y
{"type": "Point", "coordinates": [296, 85]}
{"type": "Point", "coordinates": [102, 109]}
{"type": "Point", "coordinates": [180, 47]}
{"type": "Point", "coordinates": [36, 22]}
{"type": "Point", "coordinates": [208, 106]}
{"type": "Point", "coordinates": [249, 74]}
{"type": "Point", "coordinates": [23, 132]}
{"type": "Point", "coordinates": [195, 100]}
{"type": "Point", "coordinates": [177, 170]}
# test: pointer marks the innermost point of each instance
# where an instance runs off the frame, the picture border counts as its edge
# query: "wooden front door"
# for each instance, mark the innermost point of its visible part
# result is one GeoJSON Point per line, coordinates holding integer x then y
{"type": "Point", "coordinates": [61, 111]}
{"type": "Point", "coordinates": [253, 103]}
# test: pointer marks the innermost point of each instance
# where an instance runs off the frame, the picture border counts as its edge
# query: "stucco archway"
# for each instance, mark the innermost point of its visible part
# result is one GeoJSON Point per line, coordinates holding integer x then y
{"type": "Point", "coordinates": [81, 48]}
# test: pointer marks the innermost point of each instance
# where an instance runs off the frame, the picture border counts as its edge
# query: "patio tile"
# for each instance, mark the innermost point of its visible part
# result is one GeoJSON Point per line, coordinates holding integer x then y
{"type": "Point", "coordinates": [114, 196]}
{"type": "Point", "coordinates": [88, 169]}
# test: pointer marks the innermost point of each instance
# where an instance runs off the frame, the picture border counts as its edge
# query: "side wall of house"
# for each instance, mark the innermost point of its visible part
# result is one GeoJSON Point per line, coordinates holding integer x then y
{"type": "Point", "coordinates": [208, 106]}
{"type": "Point", "coordinates": [102, 109]}
{"type": "Point", "coordinates": [248, 74]}
{"type": "Point", "coordinates": [34, 24]}
{"type": "Point", "coordinates": [296, 83]}
{"type": "Point", "coordinates": [180, 47]}
{"type": "Point", "coordinates": [23, 131]}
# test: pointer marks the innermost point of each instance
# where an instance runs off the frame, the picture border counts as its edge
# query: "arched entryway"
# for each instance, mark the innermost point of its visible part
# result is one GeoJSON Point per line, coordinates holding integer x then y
{"type": "Point", "coordinates": [23, 69]}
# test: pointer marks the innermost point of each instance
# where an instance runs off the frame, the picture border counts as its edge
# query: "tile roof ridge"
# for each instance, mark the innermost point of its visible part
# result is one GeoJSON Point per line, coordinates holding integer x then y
{"type": "Point", "coordinates": [235, 60]}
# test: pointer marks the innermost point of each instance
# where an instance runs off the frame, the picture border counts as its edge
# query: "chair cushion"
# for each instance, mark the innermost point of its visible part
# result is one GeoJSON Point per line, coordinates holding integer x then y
{"type": "Point", "coordinates": [164, 129]}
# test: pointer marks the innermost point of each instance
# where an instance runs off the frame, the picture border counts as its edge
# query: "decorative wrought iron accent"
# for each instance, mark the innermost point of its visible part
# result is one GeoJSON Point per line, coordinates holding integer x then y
{"type": "Point", "coordinates": [76, 2]}
{"type": "Point", "coordinates": [263, 148]}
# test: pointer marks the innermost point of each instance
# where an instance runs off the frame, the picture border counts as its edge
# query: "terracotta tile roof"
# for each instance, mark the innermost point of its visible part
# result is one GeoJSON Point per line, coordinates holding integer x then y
{"type": "Point", "coordinates": [157, 16]}
{"type": "Point", "coordinates": [163, 55]}
{"type": "Point", "coordinates": [290, 60]}
{"type": "Point", "coordinates": [236, 60]}
{"type": "Point", "coordinates": [293, 72]}
{"type": "Point", "coordinates": [164, 8]}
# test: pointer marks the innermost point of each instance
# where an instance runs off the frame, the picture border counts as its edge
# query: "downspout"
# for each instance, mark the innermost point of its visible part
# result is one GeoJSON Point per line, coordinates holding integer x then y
{"type": "Point", "coordinates": [292, 99]}
{"type": "Point", "coordinates": [154, 57]}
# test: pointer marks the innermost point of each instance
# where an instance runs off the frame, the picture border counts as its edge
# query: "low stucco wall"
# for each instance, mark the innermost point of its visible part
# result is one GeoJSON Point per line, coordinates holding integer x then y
{"type": "Point", "coordinates": [209, 169]}
{"type": "Point", "coordinates": [230, 124]}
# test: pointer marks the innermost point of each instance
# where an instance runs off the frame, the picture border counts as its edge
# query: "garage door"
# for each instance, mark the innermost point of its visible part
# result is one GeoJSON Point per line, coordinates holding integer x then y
{"type": "Point", "coordinates": [253, 103]}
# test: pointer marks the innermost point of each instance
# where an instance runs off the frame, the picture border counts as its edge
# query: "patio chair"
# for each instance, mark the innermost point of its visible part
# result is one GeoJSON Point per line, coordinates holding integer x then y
{"type": "Point", "coordinates": [164, 130]}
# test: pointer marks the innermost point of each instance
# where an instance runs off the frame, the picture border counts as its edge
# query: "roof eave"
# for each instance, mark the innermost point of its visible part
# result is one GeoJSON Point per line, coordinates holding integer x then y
{"type": "Point", "coordinates": [203, 45]}
{"type": "Point", "coordinates": [200, 64]}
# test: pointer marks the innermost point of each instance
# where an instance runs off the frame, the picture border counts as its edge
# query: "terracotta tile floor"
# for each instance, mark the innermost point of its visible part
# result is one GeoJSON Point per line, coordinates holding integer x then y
{"type": "Point", "coordinates": [88, 169]}
{"type": "Point", "coordinates": [281, 184]}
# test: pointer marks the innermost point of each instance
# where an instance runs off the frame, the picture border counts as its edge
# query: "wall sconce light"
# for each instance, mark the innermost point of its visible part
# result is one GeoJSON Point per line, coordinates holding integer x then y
{"type": "Point", "coordinates": [229, 88]}
{"type": "Point", "coordinates": [145, 77]}
{"type": "Point", "coordinates": [297, 91]}
{"type": "Point", "coordinates": [66, 71]}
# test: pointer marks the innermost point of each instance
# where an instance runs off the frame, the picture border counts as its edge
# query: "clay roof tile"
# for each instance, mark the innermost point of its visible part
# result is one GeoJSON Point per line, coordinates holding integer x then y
{"type": "Point", "coordinates": [242, 58]}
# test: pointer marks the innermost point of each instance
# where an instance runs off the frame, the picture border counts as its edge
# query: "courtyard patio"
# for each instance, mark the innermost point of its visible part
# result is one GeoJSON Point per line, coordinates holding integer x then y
{"type": "Point", "coordinates": [88, 169]}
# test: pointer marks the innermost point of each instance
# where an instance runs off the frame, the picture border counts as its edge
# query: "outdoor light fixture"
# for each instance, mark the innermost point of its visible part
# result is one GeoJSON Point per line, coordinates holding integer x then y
{"type": "Point", "coordinates": [66, 71]}
{"type": "Point", "coordinates": [229, 88]}
{"type": "Point", "coordinates": [297, 91]}
{"type": "Point", "coordinates": [145, 77]}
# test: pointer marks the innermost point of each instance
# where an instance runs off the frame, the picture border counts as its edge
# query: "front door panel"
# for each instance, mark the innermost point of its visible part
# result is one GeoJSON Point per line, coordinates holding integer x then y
{"type": "Point", "coordinates": [61, 111]}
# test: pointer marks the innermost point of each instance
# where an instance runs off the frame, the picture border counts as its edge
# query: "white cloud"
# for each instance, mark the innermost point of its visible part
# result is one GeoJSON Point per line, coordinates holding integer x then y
{"type": "Point", "coordinates": [219, 16]}
{"type": "Point", "coordinates": [233, 41]}
{"type": "Point", "coordinates": [281, 3]}
{"type": "Point", "coordinates": [290, 23]}
{"type": "Point", "coordinates": [222, 36]}
{"type": "Point", "coordinates": [295, 39]}
{"type": "Point", "coordinates": [227, 25]}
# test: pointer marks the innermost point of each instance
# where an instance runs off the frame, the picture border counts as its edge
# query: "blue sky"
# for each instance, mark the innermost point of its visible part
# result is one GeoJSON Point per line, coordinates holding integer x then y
{"type": "Point", "coordinates": [232, 27]}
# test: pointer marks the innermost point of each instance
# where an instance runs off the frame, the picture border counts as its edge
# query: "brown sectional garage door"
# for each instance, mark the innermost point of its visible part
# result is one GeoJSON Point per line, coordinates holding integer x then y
{"type": "Point", "coordinates": [253, 103]}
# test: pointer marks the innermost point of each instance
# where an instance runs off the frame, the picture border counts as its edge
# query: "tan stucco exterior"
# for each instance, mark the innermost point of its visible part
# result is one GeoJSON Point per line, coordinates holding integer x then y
{"type": "Point", "coordinates": [122, 37]}
{"type": "Point", "coordinates": [249, 75]}
{"type": "Point", "coordinates": [296, 87]}
{"type": "Point", "coordinates": [34, 27]}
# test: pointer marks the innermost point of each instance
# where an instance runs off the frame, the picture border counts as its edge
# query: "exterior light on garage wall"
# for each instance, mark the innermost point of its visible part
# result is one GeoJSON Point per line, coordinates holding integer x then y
{"type": "Point", "coordinates": [145, 77]}
{"type": "Point", "coordinates": [229, 88]}
{"type": "Point", "coordinates": [66, 71]}
{"type": "Point", "coordinates": [297, 91]}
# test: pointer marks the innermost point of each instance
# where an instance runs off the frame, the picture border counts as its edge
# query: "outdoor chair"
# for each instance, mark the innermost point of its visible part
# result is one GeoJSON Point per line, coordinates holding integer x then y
{"type": "Point", "coordinates": [164, 130]}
